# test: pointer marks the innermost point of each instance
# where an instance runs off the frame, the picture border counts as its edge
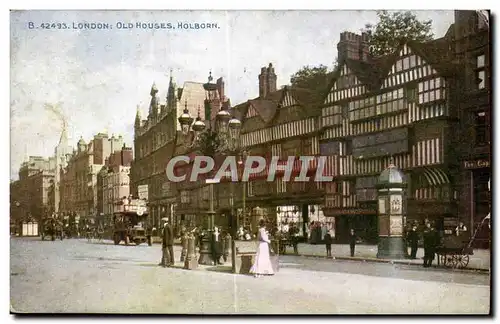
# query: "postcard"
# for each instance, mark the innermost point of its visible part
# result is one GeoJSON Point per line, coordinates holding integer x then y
{"type": "Point", "coordinates": [250, 162]}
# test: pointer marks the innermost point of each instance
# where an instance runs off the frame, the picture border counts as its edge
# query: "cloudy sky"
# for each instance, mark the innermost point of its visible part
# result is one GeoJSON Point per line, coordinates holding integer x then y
{"type": "Point", "coordinates": [100, 76]}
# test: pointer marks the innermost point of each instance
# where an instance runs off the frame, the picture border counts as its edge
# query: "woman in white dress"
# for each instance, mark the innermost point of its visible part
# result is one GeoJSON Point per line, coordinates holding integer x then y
{"type": "Point", "coordinates": [262, 265]}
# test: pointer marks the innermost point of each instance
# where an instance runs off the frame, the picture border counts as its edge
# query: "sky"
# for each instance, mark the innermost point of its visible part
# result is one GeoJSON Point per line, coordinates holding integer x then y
{"type": "Point", "coordinates": [98, 77]}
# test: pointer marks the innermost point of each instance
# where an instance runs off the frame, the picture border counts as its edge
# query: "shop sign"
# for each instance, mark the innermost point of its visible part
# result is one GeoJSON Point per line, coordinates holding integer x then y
{"type": "Point", "coordinates": [337, 212]}
{"type": "Point", "coordinates": [476, 164]}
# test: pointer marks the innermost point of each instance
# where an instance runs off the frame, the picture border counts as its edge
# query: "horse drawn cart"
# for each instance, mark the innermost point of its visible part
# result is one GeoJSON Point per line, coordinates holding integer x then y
{"type": "Point", "coordinates": [129, 221]}
{"type": "Point", "coordinates": [53, 228]}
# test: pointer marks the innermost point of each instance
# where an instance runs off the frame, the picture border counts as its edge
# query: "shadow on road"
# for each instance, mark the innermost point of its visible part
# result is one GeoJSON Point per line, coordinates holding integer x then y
{"type": "Point", "coordinates": [222, 269]}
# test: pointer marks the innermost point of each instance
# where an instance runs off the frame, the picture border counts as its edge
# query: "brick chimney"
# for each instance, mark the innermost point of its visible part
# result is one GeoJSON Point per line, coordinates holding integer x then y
{"type": "Point", "coordinates": [353, 46]}
{"type": "Point", "coordinates": [267, 81]}
{"type": "Point", "coordinates": [263, 82]}
{"type": "Point", "coordinates": [271, 79]}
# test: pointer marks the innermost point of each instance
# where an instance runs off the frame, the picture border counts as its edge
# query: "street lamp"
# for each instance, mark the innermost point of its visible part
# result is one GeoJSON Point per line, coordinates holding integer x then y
{"type": "Point", "coordinates": [241, 162]}
{"type": "Point", "coordinates": [224, 138]}
{"type": "Point", "coordinates": [185, 120]}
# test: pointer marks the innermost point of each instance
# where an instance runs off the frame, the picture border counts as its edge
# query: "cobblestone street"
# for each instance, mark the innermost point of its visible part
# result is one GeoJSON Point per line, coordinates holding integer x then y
{"type": "Point", "coordinates": [78, 276]}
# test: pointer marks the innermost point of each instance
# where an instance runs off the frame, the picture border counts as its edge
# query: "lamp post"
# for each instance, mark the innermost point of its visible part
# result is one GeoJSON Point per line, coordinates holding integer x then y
{"type": "Point", "coordinates": [241, 162]}
{"type": "Point", "coordinates": [224, 137]}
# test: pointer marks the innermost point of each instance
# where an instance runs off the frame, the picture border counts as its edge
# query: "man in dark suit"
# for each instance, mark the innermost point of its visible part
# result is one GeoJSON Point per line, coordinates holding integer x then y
{"type": "Point", "coordinates": [413, 242]}
{"type": "Point", "coordinates": [168, 245]}
{"type": "Point", "coordinates": [431, 241]}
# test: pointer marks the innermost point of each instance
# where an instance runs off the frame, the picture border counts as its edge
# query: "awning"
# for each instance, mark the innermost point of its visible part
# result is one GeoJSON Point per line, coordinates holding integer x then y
{"type": "Point", "coordinates": [436, 176]}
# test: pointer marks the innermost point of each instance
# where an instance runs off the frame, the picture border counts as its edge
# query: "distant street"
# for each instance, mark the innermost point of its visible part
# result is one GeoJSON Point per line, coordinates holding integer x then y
{"type": "Point", "coordinates": [78, 276]}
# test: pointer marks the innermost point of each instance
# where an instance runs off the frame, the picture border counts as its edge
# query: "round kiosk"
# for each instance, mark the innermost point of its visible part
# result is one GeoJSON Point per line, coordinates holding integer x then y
{"type": "Point", "coordinates": [391, 189]}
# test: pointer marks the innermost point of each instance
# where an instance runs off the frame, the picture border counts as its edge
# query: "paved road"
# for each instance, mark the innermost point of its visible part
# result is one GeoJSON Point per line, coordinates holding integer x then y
{"type": "Point", "coordinates": [75, 276]}
{"type": "Point", "coordinates": [386, 270]}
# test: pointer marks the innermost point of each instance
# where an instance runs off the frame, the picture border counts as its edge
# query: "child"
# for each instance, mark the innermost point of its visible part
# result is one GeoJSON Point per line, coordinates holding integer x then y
{"type": "Point", "coordinates": [328, 244]}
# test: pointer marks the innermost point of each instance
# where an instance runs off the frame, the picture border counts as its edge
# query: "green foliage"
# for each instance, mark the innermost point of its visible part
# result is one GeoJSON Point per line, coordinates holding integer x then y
{"type": "Point", "coordinates": [395, 28]}
{"type": "Point", "coordinates": [311, 77]}
{"type": "Point", "coordinates": [209, 143]}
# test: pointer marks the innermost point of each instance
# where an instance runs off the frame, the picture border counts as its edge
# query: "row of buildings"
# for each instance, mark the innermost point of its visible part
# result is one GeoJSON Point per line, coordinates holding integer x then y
{"type": "Point", "coordinates": [85, 182]}
{"type": "Point", "coordinates": [426, 107]}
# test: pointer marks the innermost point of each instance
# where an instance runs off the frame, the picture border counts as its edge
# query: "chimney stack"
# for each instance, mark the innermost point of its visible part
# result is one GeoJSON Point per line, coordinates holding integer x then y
{"type": "Point", "coordinates": [263, 83]}
{"type": "Point", "coordinates": [267, 81]}
{"type": "Point", "coordinates": [271, 79]}
{"type": "Point", "coordinates": [353, 46]}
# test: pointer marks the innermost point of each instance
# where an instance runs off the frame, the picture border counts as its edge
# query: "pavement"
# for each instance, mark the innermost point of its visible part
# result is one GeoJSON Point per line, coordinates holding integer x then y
{"type": "Point", "coordinates": [78, 276]}
{"type": "Point", "coordinates": [479, 261]}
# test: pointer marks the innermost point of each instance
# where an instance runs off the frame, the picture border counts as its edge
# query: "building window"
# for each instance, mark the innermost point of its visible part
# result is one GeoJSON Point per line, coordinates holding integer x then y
{"type": "Point", "coordinates": [399, 65]}
{"type": "Point", "coordinates": [411, 94]}
{"type": "Point", "coordinates": [345, 111]}
{"type": "Point", "coordinates": [480, 128]}
{"type": "Point", "coordinates": [480, 71]}
{"type": "Point", "coordinates": [481, 61]}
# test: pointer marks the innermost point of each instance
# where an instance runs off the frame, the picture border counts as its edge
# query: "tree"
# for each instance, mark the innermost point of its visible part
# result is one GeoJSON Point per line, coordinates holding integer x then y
{"type": "Point", "coordinates": [395, 28]}
{"type": "Point", "coordinates": [311, 77]}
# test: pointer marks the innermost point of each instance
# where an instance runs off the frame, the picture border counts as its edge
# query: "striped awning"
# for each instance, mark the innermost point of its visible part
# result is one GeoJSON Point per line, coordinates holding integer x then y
{"type": "Point", "coordinates": [436, 176]}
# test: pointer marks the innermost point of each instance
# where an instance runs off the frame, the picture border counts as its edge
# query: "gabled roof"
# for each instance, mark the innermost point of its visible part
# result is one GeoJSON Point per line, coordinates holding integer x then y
{"type": "Point", "coordinates": [364, 71]}
{"type": "Point", "coordinates": [436, 52]}
{"type": "Point", "coordinates": [265, 108]}
{"type": "Point", "coordinates": [268, 107]}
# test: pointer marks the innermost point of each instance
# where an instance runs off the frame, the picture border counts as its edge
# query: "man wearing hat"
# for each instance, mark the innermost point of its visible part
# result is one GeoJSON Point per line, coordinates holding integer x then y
{"type": "Point", "coordinates": [167, 245]}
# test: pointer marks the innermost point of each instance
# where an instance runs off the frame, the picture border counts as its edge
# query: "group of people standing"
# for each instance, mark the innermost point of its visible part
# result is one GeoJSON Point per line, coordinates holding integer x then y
{"type": "Point", "coordinates": [329, 238]}
{"type": "Point", "coordinates": [262, 265]}
{"type": "Point", "coordinates": [431, 237]}
{"type": "Point", "coordinates": [431, 240]}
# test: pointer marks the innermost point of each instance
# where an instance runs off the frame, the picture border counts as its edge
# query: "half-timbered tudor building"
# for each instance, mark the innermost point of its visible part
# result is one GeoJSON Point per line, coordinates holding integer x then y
{"type": "Point", "coordinates": [398, 107]}
{"type": "Point", "coordinates": [280, 123]}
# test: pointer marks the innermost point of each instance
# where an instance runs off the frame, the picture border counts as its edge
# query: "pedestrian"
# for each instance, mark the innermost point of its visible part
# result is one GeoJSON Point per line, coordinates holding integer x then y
{"type": "Point", "coordinates": [240, 234]}
{"type": "Point", "coordinates": [460, 229]}
{"type": "Point", "coordinates": [294, 236]}
{"type": "Point", "coordinates": [168, 258]}
{"type": "Point", "coordinates": [430, 244]}
{"type": "Point", "coordinates": [164, 255]}
{"type": "Point", "coordinates": [215, 246]}
{"type": "Point", "coordinates": [324, 230]}
{"type": "Point", "coordinates": [227, 244]}
{"type": "Point", "coordinates": [262, 265]}
{"type": "Point", "coordinates": [352, 241]}
{"type": "Point", "coordinates": [413, 242]}
{"type": "Point", "coordinates": [328, 244]}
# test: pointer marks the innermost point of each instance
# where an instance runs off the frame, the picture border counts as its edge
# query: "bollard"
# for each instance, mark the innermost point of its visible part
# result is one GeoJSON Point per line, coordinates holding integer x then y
{"type": "Point", "coordinates": [184, 243]}
{"type": "Point", "coordinates": [190, 263]}
{"type": "Point", "coordinates": [227, 246]}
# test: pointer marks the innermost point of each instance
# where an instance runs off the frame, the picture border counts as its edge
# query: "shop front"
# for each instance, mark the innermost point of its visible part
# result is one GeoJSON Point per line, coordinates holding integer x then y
{"type": "Point", "coordinates": [477, 202]}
